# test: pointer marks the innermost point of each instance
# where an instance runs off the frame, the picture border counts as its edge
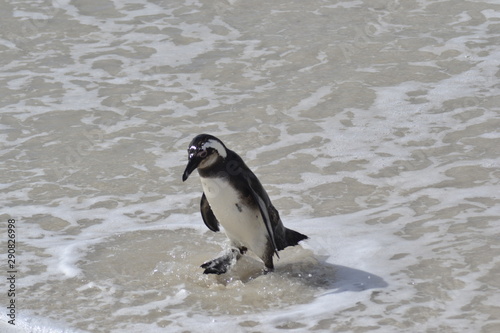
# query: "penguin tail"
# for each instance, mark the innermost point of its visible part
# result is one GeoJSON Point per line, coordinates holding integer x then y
{"type": "Point", "coordinates": [293, 237]}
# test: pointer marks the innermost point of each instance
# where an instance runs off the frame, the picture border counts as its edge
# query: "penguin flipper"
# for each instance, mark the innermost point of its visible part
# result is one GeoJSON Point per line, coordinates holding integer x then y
{"type": "Point", "coordinates": [208, 216]}
{"type": "Point", "coordinates": [265, 216]}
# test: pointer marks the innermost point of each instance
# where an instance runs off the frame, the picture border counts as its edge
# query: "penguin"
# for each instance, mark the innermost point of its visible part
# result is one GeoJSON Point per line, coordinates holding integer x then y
{"type": "Point", "coordinates": [234, 198]}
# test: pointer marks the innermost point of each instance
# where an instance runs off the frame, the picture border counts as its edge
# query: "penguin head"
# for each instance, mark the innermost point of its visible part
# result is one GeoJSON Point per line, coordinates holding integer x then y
{"type": "Point", "coordinates": [204, 150]}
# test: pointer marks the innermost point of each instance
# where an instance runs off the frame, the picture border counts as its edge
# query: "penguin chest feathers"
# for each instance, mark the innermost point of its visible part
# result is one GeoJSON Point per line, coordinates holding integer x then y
{"type": "Point", "coordinates": [242, 224]}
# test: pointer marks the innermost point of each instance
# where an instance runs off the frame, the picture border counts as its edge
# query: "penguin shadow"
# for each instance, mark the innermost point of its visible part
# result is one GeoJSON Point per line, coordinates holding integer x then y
{"type": "Point", "coordinates": [299, 265]}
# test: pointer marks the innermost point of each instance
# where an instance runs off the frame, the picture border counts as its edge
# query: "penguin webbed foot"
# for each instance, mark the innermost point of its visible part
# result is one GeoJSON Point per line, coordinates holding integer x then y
{"type": "Point", "coordinates": [217, 266]}
{"type": "Point", "coordinates": [222, 264]}
{"type": "Point", "coordinates": [267, 270]}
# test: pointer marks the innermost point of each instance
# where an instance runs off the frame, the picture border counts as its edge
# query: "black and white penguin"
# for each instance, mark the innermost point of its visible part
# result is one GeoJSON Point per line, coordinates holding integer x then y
{"type": "Point", "coordinates": [234, 198]}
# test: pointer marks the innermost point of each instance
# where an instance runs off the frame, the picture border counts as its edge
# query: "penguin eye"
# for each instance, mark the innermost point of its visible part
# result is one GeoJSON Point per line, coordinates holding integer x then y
{"type": "Point", "coordinates": [191, 151]}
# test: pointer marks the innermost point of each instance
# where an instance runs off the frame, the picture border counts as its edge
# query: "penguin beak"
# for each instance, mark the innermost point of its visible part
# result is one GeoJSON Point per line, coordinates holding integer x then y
{"type": "Point", "coordinates": [193, 163]}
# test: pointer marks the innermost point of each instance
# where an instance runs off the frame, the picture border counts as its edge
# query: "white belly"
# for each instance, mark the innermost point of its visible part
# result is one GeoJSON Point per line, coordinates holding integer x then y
{"type": "Point", "coordinates": [243, 225]}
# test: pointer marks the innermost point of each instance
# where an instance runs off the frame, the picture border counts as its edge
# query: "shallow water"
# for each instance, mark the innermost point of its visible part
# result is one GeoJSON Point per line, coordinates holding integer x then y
{"type": "Point", "coordinates": [373, 125]}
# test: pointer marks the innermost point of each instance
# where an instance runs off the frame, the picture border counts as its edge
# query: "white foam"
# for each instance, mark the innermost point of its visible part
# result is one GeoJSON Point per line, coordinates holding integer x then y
{"type": "Point", "coordinates": [28, 322]}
